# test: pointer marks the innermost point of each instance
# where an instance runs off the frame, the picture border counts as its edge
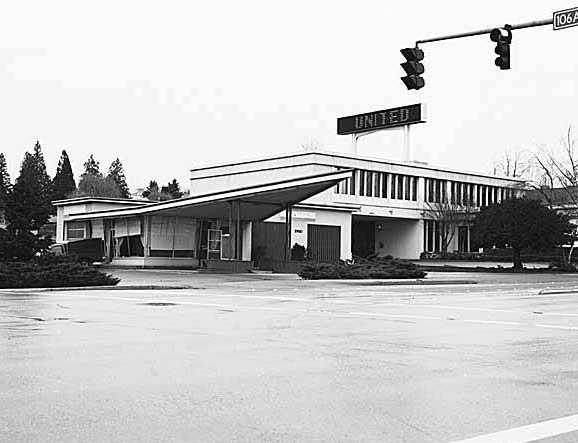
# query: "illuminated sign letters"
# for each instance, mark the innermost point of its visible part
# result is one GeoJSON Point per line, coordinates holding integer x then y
{"type": "Point", "coordinates": [388, 118]}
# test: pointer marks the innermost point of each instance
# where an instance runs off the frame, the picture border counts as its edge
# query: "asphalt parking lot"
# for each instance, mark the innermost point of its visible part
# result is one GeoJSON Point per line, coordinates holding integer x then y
{"type": "Point", "coordinates": [277, 359]}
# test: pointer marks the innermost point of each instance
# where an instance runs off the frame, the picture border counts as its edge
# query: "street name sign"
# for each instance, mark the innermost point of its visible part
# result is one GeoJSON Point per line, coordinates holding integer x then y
{"type": "Point", "coordinates": [387, 118]}
{"type": "Point", "coordinates": [565, 19]}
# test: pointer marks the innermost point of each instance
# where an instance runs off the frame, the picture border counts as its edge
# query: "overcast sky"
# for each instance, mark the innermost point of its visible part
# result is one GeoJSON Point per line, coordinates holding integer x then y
{"type": "Point", "coordinates": [170, 85]}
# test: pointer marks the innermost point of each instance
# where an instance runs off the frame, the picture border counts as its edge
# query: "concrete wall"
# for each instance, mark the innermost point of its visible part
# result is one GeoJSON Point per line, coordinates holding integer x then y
{"type": "Point", "coordinates": [63, 211]}
{"type": "Point", "coordinates": [154, 262]}
{"type": "Point", "coordinates": [303, 216]}
{"type": "Point", "coordinates": [399, 238]}
{"type": "Point", "coordinates": [227, 178]}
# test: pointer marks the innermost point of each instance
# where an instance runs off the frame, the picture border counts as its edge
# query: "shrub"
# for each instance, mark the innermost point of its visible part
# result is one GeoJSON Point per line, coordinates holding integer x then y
{"type": "Point", "coordinates": [373, 267]}
{"type": "Point", "coordinates": [51, 275]}
{"type": "Point", "coordinates": [562, 267]}
{"type": "Point", "coordinates": [298, 252]}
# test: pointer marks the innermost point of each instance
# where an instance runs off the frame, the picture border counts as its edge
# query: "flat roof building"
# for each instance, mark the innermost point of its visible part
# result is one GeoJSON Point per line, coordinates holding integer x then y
{"type": "Point", "coordinates": [334, 205]}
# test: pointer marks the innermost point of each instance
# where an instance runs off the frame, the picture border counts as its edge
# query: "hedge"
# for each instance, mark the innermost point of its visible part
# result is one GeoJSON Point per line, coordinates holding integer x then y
{"type": "Point", "coordinates": [52, 275]}
{"type": "Point", "coordinates": [373, 267]}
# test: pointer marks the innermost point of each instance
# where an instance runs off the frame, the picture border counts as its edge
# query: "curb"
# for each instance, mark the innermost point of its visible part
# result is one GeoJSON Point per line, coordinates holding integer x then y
{"type": "Point", "coordinates": [405, 282]}
{"type": "Point", "coordinates": [96, 288]}
{"type": "Point", "coordinates": [557, 291]}
{"type": "Point", "coordinates": [169, 287]}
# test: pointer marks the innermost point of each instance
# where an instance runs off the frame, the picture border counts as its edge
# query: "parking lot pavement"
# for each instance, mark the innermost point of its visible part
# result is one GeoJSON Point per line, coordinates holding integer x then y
{"type": "Point", "coordinates": [284, 360]}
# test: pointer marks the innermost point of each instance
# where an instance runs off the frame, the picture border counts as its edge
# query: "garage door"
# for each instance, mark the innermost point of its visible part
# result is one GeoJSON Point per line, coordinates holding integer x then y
{"type": "Point", "coordinates": [324, 243]}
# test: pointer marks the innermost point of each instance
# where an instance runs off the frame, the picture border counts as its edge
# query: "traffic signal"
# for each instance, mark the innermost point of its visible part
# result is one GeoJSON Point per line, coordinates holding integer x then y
{"type": "Point", "coordinates": [503, 38]}
{"type": "Point", "coordinates": [413, 68]}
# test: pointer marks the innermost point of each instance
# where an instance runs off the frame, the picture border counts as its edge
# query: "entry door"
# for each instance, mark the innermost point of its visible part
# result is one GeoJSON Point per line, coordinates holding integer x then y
{"type": "Point", "coordinates": [362, 238]}
{"type": "Point", "coordinates": [463, 238]}
{"type": "Point", "coordinates": [324, 243]}
{"type": "Point", "coordinates": [214, 244]}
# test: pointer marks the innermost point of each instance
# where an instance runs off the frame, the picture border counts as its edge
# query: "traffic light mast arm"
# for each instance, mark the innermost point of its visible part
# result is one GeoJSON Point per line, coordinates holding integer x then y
{"type": "Point", "coordinates": [487, 31]}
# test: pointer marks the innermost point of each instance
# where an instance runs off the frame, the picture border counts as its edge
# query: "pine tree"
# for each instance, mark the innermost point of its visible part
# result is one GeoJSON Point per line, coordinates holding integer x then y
{"type": "Point", "coordinates": [5, 186]}
{"type": "Point", "coordinates": [95, 186]}
{"type": "Point", "coordinates": [175, 189]}
{"type": "Point", "coordinates": [63, 184]}
{"type": "Point", "coordinates": [171, 191]}
{"type": "Point", "coordinates": [28, 207]}
{"type": "Point", "coordinates": [43, 177]}
{"type": "Point", "coordinates": [116, 172]}
{"type": "Point", "coordinates": [152, 191]}
{"type": "Point", "coordinates": [92, 167]}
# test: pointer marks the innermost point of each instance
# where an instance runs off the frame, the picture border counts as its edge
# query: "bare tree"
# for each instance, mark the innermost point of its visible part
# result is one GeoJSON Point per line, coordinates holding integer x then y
{"type": "Point", "coordinates": [311, 145]}
{"type": "Point", "coordinates": [448, 216]}
{"type": "Point", "coordinates": [557, 179]}
{"type": "Point", "coordinates": [513, 163]}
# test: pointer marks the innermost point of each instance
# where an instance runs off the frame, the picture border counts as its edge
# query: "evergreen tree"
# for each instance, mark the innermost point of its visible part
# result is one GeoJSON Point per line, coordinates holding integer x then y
{"type": "Point", "coordinates": [96, 186]}
{"type": "Point", "coordinates": [152, 191]}
{"type": "Point", "coordinates": [28, 207]}
{"type": "Point", "coordinates": [116, 172]}
{"type": "Point", "coordinates": [174, 189]}
{"type": "Point", "coordinates": [171, 191]}
{"type": "Point", "coordinates": [43, 177]}
{"type": "Point", "coordinates": [63, 184]}
{"type": "Point", "coordinates": [520, 224]}
{"type": "Point", "coordinates": [5, 186]}
{"type": "Point", "coordinates": [92, 167]}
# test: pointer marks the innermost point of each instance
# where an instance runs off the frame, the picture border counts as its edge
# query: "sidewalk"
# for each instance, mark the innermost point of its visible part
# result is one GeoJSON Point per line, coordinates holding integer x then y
{"type": "Point", "coordinates": [475, 264]}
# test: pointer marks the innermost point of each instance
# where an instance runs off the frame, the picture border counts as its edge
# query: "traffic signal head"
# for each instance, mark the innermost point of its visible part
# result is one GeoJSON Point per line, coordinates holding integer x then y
{"type": "Point", "coordinates": [503, 38]}
{"type": "Point", "coordinates": [413, 68]}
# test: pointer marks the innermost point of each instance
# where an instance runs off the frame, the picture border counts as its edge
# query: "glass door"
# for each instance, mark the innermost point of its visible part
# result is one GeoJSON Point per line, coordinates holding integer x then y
{"type": "Point", "coordinates": [214, 244]}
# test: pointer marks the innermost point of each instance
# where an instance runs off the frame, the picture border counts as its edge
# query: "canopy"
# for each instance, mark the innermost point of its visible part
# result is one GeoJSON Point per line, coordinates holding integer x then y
{"type": "Point", "coordinates": [253, 203]}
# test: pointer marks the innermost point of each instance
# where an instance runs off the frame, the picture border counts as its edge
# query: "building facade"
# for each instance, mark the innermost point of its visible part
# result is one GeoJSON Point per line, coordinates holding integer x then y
{"type": "Point", "coordinates": [383, 207]}
{"type": "Point", "coordinates": [336, 206]}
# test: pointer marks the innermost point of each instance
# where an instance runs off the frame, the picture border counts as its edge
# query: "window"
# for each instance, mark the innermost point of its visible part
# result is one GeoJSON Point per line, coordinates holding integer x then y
{"type": "Point", "coordinates": [407, 195]}
{"type": "Point", "coordinates": [377, 184]}
{"type": "Point", "coordinates": [352, 183]}
{"type": "Point", "coordinates": [438, 191]}
{"type": "Point", "coordinates": [444, 196]}
{"type": "Point", "coordinates": [362, 183]}
{"type": "Point", "coordinates": [369, 183]}
{"type": "Point", "coordinates": [432, 236]}
{"type": "Point", "coordinates": [459, 199]}
{"type": "Point", "coordinates": [384, 180]}
{"type": "Point", "coordinates": [75, 230]}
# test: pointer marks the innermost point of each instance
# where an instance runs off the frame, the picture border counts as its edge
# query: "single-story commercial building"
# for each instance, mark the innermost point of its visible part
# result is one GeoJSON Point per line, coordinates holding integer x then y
{"type": "Point", "coordinates": [335, 205]}
{"type": "Point", "coordinates": [212, 229]}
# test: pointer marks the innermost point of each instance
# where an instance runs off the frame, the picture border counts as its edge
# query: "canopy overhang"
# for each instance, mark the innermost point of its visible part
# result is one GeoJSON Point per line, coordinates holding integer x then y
{"type": "Point", "coordinates": [254, 203]}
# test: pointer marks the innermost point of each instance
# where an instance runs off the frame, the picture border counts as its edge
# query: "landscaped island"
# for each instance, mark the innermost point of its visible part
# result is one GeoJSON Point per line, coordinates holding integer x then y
{"type": "Point", "coordinates": [372, 267]}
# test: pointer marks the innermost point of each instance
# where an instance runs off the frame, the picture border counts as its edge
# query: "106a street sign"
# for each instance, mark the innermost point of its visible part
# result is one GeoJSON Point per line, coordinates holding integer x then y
{"type": "Point", "coordinates": [566, 18]}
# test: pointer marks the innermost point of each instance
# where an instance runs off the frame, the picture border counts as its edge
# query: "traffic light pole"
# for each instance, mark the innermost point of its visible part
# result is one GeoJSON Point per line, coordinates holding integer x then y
{"type": "Point", "coordinates": [486, 31]}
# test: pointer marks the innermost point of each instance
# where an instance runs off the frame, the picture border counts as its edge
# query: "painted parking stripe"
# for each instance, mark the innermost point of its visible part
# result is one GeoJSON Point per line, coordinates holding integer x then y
{"type": "Point", "coordinates": [568, 328]}
{"type": "Point", "coordinates": [529, 433]}
{"type": "Point", "coordinates": [207, 304]}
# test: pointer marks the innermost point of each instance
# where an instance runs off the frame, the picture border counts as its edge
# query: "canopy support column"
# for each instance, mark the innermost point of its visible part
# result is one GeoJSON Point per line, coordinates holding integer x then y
{"type": "Point", "coordinates": [238, 232]}
{"type": "Point", "coordinates": [230, 229]}
{"type": "Point", "coordinates": [288, 229]}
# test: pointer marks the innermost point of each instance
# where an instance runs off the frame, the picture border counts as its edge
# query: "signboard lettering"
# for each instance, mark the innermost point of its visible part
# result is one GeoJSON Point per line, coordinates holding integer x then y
{"type": "Point", "coordinates": [565, 19]}
{"type": "Point", "coordinates": [387, 118]}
